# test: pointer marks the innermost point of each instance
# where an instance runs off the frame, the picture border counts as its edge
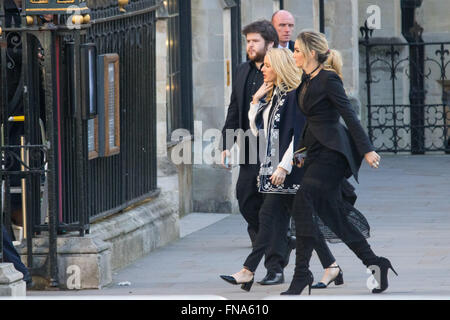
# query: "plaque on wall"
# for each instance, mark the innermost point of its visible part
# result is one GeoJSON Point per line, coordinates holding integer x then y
{"type": "Point", "coordinates": [36, 7]}
{"type": "Point", "coordinates": [108, 104]}
{"type": "Point", "coordinates": [93, 139]}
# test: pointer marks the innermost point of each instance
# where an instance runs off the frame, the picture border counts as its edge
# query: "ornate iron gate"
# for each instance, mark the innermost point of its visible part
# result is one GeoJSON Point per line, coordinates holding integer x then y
{"type": "Point", "coordinates": [407, 94]}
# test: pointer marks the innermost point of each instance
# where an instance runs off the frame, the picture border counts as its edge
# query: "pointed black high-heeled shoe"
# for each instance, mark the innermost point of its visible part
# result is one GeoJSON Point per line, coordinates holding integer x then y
{"type": "Point", "coordinates": [244, 285]}
{"type": "Point", "coordinates": [298, 284]}
{"type": "Point", "coordinates": [338, 280]}
{"type": "Point", "coordinates": [384, 265]}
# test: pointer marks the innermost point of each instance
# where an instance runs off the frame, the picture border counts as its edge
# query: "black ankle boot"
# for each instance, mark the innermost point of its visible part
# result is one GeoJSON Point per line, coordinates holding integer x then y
{"type": "Point", "coordinates": [364, 252]}
{"type": "Point", "coordinates": [384, 265]}
{"type": "Point", "coordinates": [299, 283]}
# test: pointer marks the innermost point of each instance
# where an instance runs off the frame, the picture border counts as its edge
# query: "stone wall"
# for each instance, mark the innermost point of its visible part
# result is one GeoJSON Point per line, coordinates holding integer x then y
{"type": "Point", "coordinates": [113, 243]}
{"type": "Point", "coordinates": [432, 15]}
{"type": "Point", "coordinates": [211, 186]}
{"type": "Point", "coordinates": [306, 14]}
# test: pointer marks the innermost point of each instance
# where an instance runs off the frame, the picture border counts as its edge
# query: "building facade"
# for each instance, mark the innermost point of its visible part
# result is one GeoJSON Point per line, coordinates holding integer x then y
{"type": "Point", "coordinates": [218, 46]}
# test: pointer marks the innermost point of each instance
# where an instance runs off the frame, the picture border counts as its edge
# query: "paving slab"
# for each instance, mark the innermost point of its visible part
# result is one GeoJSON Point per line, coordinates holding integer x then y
{"type": "Point", "coordinates": [406, 201]}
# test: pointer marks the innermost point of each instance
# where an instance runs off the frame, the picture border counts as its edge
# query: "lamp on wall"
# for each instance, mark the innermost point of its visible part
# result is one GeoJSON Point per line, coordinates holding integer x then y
{"type": "Point", "coordinates": [88, 54]}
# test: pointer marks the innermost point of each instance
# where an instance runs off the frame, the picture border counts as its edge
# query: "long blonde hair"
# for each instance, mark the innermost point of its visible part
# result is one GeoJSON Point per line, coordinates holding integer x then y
{"type": "Point", "coordinates": [330, 58]}
{"type": "Point", "coordinates": [283, 63]}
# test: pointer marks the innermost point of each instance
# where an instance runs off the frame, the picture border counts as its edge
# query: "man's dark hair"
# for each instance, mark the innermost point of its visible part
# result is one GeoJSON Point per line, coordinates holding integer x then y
{"type": "Point", "coordinates": [265, 29]}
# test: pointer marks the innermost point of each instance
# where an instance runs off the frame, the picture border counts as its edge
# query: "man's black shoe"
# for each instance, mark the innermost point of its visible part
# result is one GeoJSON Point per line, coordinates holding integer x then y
{"type": "Point", "coordinates": [272, 278]}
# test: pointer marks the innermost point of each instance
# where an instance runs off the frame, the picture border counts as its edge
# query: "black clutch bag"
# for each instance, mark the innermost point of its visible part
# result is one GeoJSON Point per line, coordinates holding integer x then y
{"type": "Point", "coordinates": [299, 155]}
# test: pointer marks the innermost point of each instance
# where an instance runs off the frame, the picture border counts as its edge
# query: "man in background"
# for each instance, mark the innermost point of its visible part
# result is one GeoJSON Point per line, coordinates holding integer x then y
{"type": "Point", "coordinates": [284, 22]}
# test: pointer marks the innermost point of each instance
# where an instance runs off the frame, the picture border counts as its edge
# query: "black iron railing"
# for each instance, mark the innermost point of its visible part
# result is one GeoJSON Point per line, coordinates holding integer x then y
{"type": "Point", "coordinates": [407, 94]}
{"type": "Point", "coordinates": [48, 92]}
{"type": "Point", "coordinates": [113, 183]}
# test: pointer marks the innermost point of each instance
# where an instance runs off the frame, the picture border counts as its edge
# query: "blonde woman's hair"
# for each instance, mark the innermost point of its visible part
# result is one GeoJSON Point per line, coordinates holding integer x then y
{"type": "Point", "coordinates": [283, 63]}
{"type": "Point", "coordinates": [330, 58]}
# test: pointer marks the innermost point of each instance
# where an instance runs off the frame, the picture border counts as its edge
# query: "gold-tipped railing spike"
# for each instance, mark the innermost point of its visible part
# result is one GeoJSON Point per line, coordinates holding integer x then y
{"type": "Point", "coordinates": [122, 4]}
{"type": "Point", "coordinates": [30, 20]}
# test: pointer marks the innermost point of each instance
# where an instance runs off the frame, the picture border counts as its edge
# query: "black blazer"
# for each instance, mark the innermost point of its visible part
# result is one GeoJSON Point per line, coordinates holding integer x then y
{"type": "Point", "coordinates": [291, 45]}
{"type": "Point", "coordinates": [236, 114]}
{"type": "Point", "coordinates": [324, 102]}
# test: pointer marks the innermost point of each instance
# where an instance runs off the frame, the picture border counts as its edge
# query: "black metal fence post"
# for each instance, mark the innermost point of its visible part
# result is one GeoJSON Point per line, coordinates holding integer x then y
{"type": "Point", "coordinates": [2, 107]}
{"type": "Point", "coordinates": [51, 107]}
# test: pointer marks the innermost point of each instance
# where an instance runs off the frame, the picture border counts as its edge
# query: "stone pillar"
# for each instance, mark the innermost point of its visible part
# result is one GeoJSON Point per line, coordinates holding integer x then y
{"type": "Point", "coordinates": [390, 17]}
{"type": "Point", "coordinates": [11, 283]}
{"type": "Point", "coordinates": [165, 167]}
{"type": "Point", "coordinates": [83, 262]}
{"type": "Point", "coordinates": [432, 15]}
{"type": "Point", "coordinates": [211, 185]}
{"type": "Point", "coordinates": [306, 14]}
{"type": "Point", "coordinates": [253, 10]}
{"type": "Point", "coordinates": [161, 86]}
{"type": "Point", "coordinates": [342, 31]}
{"type": "Point", "coordinates": [276, 5]}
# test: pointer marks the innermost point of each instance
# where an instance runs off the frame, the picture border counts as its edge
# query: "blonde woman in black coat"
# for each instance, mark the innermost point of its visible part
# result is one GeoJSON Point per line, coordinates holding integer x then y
{"type": "Point", "coordinates": [333, 154]}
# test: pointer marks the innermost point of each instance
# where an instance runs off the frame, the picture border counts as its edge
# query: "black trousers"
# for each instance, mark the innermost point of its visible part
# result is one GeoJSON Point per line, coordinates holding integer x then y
{"type": "Point", "coordinates": [250, 204]}
{"type": "Point", "coordinates": [249, 199]}
{"type": "Point", "coordinates": [272, 240]}
{"type": "Point", "coordinates": [320, 207]}
{"type": "Point", "coordinates": [10, 255]}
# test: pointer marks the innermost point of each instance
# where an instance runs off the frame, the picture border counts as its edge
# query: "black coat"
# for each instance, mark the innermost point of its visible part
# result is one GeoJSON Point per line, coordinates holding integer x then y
{"type": "Point", "coordinates": [324, 103]}
{"type": "Point", "coordinates": [291, 45]}
{"type": "Point", "coordinates": [237, 115]}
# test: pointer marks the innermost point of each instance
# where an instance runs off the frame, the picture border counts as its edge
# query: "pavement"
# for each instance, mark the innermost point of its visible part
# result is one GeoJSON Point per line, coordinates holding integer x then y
{"type": "Point", "coordinates": [406, 201]}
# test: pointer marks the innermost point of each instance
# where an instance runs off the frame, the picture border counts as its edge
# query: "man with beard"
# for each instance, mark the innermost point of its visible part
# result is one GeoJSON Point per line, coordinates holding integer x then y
{"type": "Point", "coordinates": [260, 36]}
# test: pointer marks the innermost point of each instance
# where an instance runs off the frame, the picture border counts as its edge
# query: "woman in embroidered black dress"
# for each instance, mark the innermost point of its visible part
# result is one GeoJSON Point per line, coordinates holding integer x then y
{"type": "Point", "coordinates": [281, 120]}
{"type": "Point", "coordinates": [333, 153]}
